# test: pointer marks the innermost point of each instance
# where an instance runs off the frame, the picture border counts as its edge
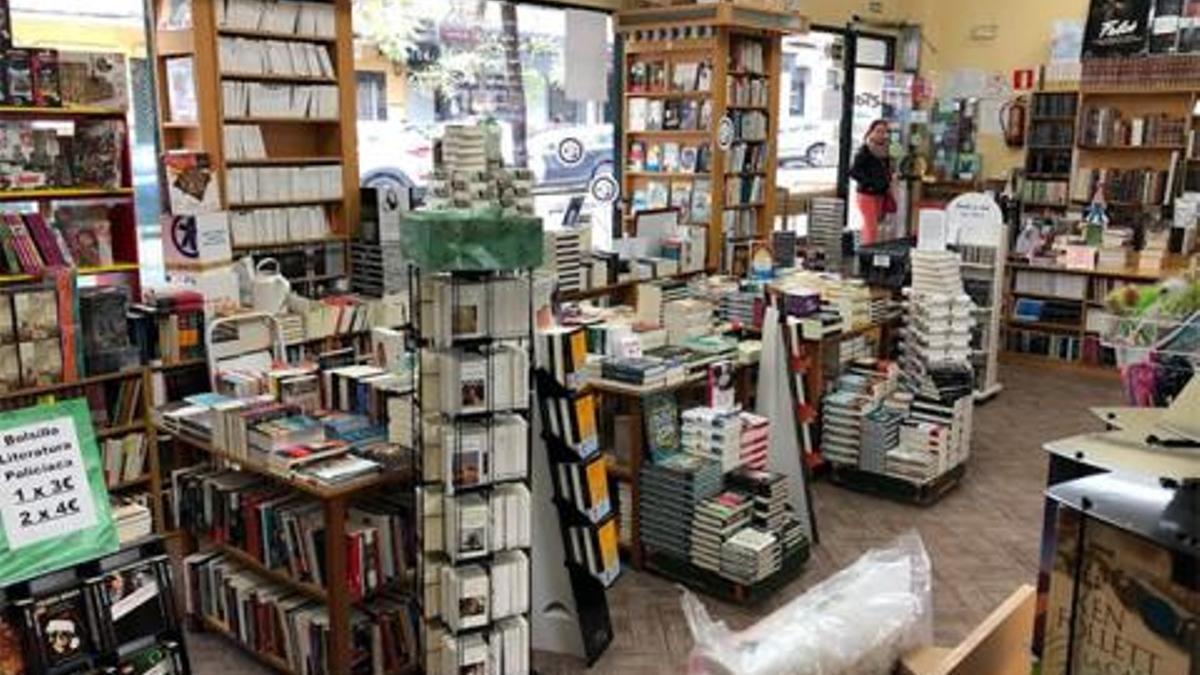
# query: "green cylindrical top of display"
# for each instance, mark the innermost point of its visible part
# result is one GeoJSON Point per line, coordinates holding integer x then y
{"type": "Point", "coordinates": [461, 240]}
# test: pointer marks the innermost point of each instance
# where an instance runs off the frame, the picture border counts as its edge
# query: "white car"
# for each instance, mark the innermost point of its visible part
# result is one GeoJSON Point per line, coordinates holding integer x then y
{"type": "Point", "coordinates": [805, 143]}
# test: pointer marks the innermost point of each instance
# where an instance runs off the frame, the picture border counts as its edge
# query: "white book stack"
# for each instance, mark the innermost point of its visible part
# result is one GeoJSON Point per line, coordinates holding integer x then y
{"type": "Point", "coordinates": [275, 100]}
{"type": "Point", "coordinates": [685, 319]}
{"type": "Point", "coordinates": [306, 19]}
{"type": "Point", "coordinates": [246, 56]}
{"type": "Point", "coordinates": [510, 517]}
{"type": "Point", "coordinates": [466, 522]}
{"type": "Point", "coordinates": [270, 184]}
{"type": "Point", "coordinates": [751, 555]}
{"type": "Point", "coordinates": [510, 584]}
{"type": "Point", "coordinates": [826, 220]}
{"type": "Point", "coordinates": [244, 141]}
{"type": "Point", "coordinates": [565, 252]}
{"type": "Point", "coordinates": [509, 647]}
{"type": "Point", "coordinates": [464, 149]}
{"type": "Point", "coordinates": [462, 310]}
{"type": "Point", "coordinates": [278, 225]}
{"type": "Point", "coordinates": [466, 597]}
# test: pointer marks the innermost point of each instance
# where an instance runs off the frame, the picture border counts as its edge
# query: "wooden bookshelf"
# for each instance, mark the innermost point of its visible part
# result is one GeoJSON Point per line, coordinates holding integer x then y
{"type": "Point", "coordinates": [1048, 157]}
{"type": "Point", "coordinates": [698, 34]}
{"type": "Point", "coordinates": [290, 141]}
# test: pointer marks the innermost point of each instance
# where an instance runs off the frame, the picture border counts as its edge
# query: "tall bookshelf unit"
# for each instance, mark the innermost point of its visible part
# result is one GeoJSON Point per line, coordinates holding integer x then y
{"type": "Point", "coordinates": [295, 140]}
{"type": "Point", "coordinates": [669, 55]}
{"type": "Point", "coordinates": [1051, 143]}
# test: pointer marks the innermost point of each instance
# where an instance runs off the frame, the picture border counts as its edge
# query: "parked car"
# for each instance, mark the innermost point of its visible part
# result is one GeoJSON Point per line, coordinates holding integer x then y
{"type": "Point", "coordinates": [548, 169]}
{"type": "Point", "coordinates": [807, 143]}
{"type": "Point", "coordinates": [394, 154]}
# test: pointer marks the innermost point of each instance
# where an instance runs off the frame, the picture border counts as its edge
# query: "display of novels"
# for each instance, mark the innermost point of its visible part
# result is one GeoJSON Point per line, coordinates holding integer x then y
{"type": "Point", "coordinates": [1130, 186]}
{"type": "Point", "coordinates": [91, 155]}
{"type": "Point", "coordinates": [191, 184]}
{"type": "Point", "coordinates": [285, 531]}
{"type": "Point", "coordinates": [303, 19]}
{"type": "Point", "coordinates": [751, 555]}
{"type": "Point", "coordinates": [826, 222]}
{"type": "Point", "coordinates": [168, 325]}
{"type": "Point", "coordinates": [505, 653]}
{"type": "Point", "coordinates": [268, 184]}
{"type": "Point", "coordinates": [1103, 126]}
{"type": "Point", "coordinates": [492, 379]}
{"type": "Point", "coordinates": [293, 224]}
{"type": "Point", "coordinates": [94, 79]}
{"type": "Point", "coordinates": [455, 309]}
{"type": "Point", "coordinates": [253, 100]}
{"type": "Point", "coordinates": [271, 619]}
{"type": "Point", "coordinates": [105, 338]}
{"type": "Point", "coordinates": [669, 114]}
{"type": "Point", "coordinates": [594, 548]}
{"type": "Point", "coordinates": [714, 434]}
{"type": "Point", "coordinates": [1047, 192]}
{"type": "Point", "coordinates": [572, 419]}
{"type": "Point", "coordinates": [479, 453]}
{"type": "Point", "coordinates": [584, 486]}
{"type": "Point", "coordinates": [714, 521]}
{"type": "Point", "coordinates": [671, 487]}
{"type": "Point", "coordinates": [245, 56]}
{"type": "Point", "coordinates": [124, 459]}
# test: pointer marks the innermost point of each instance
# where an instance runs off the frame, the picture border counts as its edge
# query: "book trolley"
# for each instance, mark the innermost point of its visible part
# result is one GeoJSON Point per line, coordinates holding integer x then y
{"type": "Point", "coordinates": [473, 458]}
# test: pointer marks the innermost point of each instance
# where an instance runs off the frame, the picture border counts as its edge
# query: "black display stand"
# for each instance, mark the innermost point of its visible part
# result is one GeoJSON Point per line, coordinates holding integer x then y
{"type": "Point", "coordinates": [588, 592]}
{"type": "Point", "coordinates": [79, 604]}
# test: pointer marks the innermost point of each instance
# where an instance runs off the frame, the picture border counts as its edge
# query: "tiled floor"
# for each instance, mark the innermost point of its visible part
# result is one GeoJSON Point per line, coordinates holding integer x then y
{"type": "Point", "coordinates": [982, 538]}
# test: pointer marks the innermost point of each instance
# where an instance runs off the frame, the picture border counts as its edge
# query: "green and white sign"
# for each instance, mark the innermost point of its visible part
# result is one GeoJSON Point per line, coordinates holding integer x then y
{"type": "Point", "coordinates": [54, 508]}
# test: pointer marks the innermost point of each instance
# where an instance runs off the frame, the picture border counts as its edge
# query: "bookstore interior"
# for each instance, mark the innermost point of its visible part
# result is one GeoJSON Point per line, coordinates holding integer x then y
{"type": "Point", "coordinates": [742, 337]}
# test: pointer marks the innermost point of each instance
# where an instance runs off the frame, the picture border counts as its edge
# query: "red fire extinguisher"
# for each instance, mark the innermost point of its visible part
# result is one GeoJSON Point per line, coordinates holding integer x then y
{"type": "Point", "coordinates": [1012, 121]}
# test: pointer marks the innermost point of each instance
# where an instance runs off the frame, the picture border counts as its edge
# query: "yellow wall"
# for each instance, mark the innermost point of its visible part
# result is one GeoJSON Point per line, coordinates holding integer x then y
{"type": "Point", "coordinates": [127, 37]}
{"type": "Point", "coordinates": [1023, 31]}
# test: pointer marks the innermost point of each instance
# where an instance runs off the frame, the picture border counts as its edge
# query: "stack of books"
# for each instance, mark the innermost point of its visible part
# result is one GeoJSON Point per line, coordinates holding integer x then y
{"type": "Point", "coordinates": [642, 371]}
{"type": "Point", "coordinates": [713, 522]}
{"type": "Point", "coordinates": [841, 429]}
{"type": "Point", "coordinates": [792, 536]}
{"type": "Point", "coordinates": [714, 434]}
{"type": "Point", "coordinates": [852, 300]}
{"type": "Point", "coordinates": [565, 252]}
{"type": "Point", "coordinates": [751, 555]}
{"type": "Point", "coordinates": [755, 442]}
{"type": "Point", "coordinates": [131, 516]}
{"type": "Point", "coordinates": [377, 269]}
{"type": "Point", "coordinates": [825, 221]}
{"type": "Point", "coordinates": [594, 547]}
{"type": "Point", "coordinates": [743, 306]}
{"type": "Point", "coordinates": [939, 317]}
{"type": "Point", "coordinates": [880, 434]}
{"type": "Point", "coordinates": [923, 453]}
{"type": "Point", "coordinates": [670, 488]}
{"type": "Point", "coordinates": [770, 492]}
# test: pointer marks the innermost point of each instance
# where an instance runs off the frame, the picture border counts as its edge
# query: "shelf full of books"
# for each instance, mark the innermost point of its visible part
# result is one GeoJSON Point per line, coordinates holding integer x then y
{"type": "Point", "coordinates": [1051, 141]}
{"type": "Point", "coordinates": [297, 490]}
{"type": "Point", "coordinates": [474, 503]}
{"type": "Point", "coordinates": [1134, 144]}
{"type": "Point", "coordinates": [699, 120]}
{"type": "Point", "coordinates": [278, 138]}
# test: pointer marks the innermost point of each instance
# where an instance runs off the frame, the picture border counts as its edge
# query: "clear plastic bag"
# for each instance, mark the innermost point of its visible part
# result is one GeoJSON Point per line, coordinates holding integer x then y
{"type": "Point", "coordinates": [857, 622]}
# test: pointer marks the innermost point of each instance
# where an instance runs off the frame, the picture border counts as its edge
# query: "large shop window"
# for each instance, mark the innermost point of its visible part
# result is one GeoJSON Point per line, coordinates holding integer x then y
{"type": "Point", "coordinates": [449, 62]}
{"type": "Point", "coordinates": [810, 111]}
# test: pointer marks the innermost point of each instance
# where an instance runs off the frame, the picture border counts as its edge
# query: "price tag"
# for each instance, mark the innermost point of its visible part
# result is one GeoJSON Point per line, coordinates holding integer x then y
{"type": "Point", "coordinates": [45, 491]}
{"type": "Point", "coordinates": [882, 260]}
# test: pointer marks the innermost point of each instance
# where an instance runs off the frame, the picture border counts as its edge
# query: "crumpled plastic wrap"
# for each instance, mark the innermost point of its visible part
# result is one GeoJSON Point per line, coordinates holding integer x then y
{"type": "Point", "coordinates": [480, 240]}
{"type": "Point", "coordinates": [857, 622]}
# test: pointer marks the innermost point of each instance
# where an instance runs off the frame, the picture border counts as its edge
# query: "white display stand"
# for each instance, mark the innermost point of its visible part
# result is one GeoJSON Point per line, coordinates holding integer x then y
{"type": "Point", "coordinates": [974, 221]}
{"type": "Point", "coordinates": [555, 623]}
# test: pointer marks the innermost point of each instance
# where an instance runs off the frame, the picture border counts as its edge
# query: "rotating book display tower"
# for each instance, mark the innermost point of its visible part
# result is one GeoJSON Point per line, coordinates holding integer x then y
{"type": "Point", "coordinates": [474, 331]}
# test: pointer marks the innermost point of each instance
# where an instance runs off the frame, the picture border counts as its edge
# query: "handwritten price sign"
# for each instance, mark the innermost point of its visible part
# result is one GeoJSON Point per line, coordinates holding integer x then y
{"type": "Point", "coordinates": [53, 506]}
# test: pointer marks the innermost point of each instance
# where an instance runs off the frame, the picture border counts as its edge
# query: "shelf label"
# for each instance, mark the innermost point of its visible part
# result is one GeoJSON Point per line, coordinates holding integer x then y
{"type": "Point", "coordinates": [881, 260]}
{"type": "Point", "coordinates": [53, 504]}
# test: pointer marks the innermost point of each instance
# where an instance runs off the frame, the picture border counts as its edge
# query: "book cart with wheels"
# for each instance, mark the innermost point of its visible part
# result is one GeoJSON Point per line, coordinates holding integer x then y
{"type": "Point", "coordinates": [114, 614]}
{"type": "Point", "coordinates": [340, 606]}
{"type": "Point", "coordinates": [474, 331]}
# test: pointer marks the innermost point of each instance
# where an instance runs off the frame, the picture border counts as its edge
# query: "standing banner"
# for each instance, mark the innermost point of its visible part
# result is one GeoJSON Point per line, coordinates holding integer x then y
{"type": "Point", "coordinates": [54, 509]}
{"type": "Point", "coordinates": [1116, 28]}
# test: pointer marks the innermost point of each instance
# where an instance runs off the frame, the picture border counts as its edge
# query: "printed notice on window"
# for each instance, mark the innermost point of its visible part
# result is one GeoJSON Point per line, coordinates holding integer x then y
{"type": "Point", "coordinates": [45, 492]}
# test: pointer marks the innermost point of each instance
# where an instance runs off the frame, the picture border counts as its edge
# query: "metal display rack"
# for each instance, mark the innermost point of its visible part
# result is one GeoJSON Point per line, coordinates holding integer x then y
{"type": "Point", "coordinates": [435, 623]}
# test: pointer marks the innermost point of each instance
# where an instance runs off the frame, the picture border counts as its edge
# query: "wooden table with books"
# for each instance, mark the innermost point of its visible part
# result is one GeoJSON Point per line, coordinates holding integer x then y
{"type": "Point", "coordinates": [642, 404]}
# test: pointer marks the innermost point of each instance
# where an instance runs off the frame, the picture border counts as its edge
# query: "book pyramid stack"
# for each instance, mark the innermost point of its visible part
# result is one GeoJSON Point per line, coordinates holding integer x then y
{"type": "Point", "coordinates": [464, 149]}
{"type": "Point", "coordinates": [880, 434]}
{"type": "Point", "coordinates": [770, 493]}
{"type": "Point", "coordinates": [669, 490]}
{"type": "Point", "coordinates": [755, 441]}
{"type": "Point", "coordinates": [564, 257]}
{"type": "Point", "coordinates": [751, 555]}
{"type": "Point", "coordinates": [939, 318]}
{"type": "Point", "coordinates": [825, 220]}
{"type": "Point", "coordinates": [923, 454]}
{"type": "Point", "coordinates": [792, 536]}
{"type": "Point", "coordinates": [714, 521]}
{"type": "Point", "coordinates": [740, 306]}
{"type": "Point", "coordinates": [714, 434]}
{"type": "Point", "coordinates": [852, 300]}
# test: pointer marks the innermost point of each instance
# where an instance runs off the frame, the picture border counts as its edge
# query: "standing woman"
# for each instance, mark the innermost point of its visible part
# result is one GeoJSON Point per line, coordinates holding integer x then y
{"type": "Point", "coordinates": [872, 169]}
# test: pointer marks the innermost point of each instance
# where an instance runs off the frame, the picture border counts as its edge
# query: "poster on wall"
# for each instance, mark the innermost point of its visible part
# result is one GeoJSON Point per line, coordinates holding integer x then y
{"type": "Point", "coordinates": [1116, 28]}
{"type": "Point", "coordinates": [54, 509]}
